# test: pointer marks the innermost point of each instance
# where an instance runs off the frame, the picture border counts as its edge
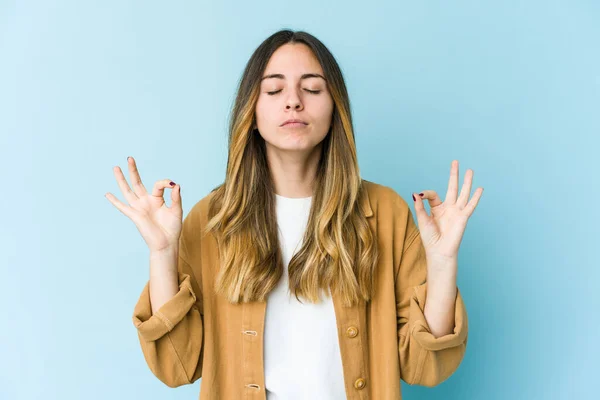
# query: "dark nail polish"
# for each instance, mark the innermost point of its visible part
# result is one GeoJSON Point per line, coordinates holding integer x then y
{"type": "Point", "coordinates": [414, 198]}
{"type": "Point", "coordinates": [172, 183]}
{"type": "Point", "coordinates": [421, 194]}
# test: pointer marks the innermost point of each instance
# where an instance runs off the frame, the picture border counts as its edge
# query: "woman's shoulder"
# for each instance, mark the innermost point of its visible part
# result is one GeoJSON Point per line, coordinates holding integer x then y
{"type": "Point", "coordinates": [380, 198]}
{"type": "Point", "coordinates": [199, 211]}
{"type": "Point", "coordinates": [384, 199]}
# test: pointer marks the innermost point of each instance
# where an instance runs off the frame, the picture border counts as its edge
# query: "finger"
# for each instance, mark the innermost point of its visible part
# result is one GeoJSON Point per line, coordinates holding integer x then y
{"type": "Point", "coordinates": [452, 183]}
{"type": "Point", "coordinates": [432, 197]}
{"type": "Point", "coordinates": [470, 207]}
{"type": "Point", "coordinates": [176, 200]}
{"type": "Point", "coordinates": [126, 210]}
{"type": "Point", "coordinates": [130, 196]}
{"type": "Point", "coordinates": [134, 177]}
{"type": "Point", "coordinates": [159, 187]}
{"type": "Point", "coordinates": [422, 215]}
{"type": "Point", "coordinates": [465, 191]}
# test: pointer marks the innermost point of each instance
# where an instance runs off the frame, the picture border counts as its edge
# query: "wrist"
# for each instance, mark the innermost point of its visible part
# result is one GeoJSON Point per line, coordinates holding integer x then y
{"type": "Point", "coordinates": [165, 252]}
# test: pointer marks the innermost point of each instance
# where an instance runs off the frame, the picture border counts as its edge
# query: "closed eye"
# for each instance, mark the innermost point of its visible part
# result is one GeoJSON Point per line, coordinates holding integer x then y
{"type": "Point", "coordinates": [308, 90]}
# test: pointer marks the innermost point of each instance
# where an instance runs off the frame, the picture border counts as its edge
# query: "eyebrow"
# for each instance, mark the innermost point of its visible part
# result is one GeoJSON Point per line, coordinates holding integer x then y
{"type": "Point", "coordinates": [304, 76]}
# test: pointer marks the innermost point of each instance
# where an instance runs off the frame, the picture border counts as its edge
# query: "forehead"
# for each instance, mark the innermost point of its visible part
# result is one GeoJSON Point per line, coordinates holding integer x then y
{"type": "Point", "coordinates": [293, 60]}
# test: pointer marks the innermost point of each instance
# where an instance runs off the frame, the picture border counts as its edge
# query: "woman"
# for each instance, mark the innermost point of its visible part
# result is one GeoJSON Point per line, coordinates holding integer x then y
{"type": "Point", "coordinates": [296, 278]}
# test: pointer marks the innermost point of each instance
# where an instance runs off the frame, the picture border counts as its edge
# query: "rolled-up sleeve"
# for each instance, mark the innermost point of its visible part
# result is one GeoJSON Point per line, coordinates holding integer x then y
{"type": "Point", "coordinates": [152, 327]}
{"type": "Point", "coordinates": [424, 359]}
{"type": "Point", "coordinates": [172, 338]}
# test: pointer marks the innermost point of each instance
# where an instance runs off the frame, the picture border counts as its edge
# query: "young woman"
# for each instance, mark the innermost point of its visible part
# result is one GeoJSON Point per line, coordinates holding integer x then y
{"type": "Point", "coordinates": [295, 278]}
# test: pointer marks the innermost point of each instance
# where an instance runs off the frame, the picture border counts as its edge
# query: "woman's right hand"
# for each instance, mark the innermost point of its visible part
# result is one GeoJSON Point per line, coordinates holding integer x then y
{"type": "Point", "coordinates": [159, 225]}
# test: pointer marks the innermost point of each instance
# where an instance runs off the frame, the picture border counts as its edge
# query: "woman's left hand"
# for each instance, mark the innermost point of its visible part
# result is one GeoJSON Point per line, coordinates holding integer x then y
{"type": "Point", "coordinates": [442, 232]}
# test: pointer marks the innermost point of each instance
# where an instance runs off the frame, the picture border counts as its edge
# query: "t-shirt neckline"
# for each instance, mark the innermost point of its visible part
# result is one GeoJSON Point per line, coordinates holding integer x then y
{"type": "Point", "coordinates": [292, 198]}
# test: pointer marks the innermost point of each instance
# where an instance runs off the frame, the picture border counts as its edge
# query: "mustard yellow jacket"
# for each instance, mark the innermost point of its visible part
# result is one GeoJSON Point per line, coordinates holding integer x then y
{"type": "Point", "coordinates": [199, 335]}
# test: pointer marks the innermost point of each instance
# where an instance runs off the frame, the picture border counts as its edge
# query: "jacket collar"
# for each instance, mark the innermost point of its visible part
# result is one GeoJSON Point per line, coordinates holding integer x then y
{"type": "Point", "coordinates": [365, 202]}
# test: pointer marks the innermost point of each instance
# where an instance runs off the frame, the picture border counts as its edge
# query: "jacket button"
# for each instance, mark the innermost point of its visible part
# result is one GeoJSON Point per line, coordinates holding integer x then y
{"type": "Point", "coordinates": [352, 331]}
{"type": "Point", "coordinates": [360, 383]}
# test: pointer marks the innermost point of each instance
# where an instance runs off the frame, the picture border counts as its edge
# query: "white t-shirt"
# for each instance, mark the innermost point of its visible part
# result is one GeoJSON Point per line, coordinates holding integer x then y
{"type": "Point", "coordinates": [301, 348]}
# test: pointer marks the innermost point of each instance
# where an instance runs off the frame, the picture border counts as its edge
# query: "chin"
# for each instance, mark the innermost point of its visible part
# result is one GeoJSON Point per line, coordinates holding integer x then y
{"type": "Point", "coordinates": [297, 147]}
{"type": "Point", "coordinates": [293, 145]}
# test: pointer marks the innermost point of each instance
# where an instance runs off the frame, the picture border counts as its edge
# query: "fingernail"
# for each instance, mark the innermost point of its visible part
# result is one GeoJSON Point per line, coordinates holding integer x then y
{"type": "Point", "coordinates": [172, 183]}
{"type": "Point", "coordinates": [421, 194]}
{"type": "Point", "coordinates": [414, 198]}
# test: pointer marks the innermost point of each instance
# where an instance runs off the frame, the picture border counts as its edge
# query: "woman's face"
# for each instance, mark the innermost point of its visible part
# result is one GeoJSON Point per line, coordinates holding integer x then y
{"type": "Point", "coordinates": [293, 87]}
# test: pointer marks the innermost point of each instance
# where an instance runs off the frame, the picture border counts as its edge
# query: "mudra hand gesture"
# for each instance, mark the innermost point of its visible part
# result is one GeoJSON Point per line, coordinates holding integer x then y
{"type": "Point", "coordinates": [442, 231]}
{"type": "Point", "coordinates": [159, 225]}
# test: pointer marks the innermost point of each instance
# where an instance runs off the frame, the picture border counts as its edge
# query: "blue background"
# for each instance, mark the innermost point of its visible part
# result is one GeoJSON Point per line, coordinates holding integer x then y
{"type": "Point", "coordinates": [509, 88]}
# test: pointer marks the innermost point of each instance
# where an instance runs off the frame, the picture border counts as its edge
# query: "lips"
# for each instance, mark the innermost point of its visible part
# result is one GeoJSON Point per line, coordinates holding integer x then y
{"type": "Point", "coordinates": [294, 121]}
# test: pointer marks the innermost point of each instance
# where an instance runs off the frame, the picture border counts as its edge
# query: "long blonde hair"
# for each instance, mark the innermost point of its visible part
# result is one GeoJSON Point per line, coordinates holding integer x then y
{"type": "Point", "coordinates": [339, 250]}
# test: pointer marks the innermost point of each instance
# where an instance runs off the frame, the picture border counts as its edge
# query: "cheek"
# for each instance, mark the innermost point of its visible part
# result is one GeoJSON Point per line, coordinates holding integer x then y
{"type": "Point", "coordinates": [264, 111]}
{"type": "Point", "coordinates": [325, 111]}
{"type": "Point", "coordinates": [259, 110]}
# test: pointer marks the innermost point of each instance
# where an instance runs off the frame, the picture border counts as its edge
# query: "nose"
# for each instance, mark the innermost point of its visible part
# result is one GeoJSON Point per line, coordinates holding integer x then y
{"type": "Point", "coordinates": [294, 102]}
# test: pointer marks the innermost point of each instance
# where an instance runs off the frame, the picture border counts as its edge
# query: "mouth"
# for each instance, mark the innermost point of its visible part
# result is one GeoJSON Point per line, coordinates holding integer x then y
{"type": "Point", "coordinates": [294, 125]}
{"type": "Point", "coordinates": [294, 122]}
